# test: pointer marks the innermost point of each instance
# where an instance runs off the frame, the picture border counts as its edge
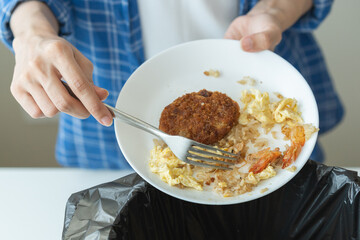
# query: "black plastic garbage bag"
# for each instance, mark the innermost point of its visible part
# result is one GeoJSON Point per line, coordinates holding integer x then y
{"type": "Point", "coordinates": [321, 202]}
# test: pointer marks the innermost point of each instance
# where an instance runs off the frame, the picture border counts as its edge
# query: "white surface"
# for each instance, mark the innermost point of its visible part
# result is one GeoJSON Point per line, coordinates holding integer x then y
{"type": "Point", "coordinates": [179, 70]}
{"type": "Point", "coordinates": [32, 200]}
{"type": "Point", "coordinates": [183, 21]}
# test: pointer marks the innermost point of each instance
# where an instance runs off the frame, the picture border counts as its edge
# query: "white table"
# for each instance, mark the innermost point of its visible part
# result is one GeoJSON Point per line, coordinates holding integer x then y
{"type": "Point", "coordinates": [32, 200]}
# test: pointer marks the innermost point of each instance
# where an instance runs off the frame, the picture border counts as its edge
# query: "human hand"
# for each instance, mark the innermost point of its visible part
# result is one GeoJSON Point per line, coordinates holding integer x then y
{"type": "Point", "coordinates": [257, 31]}
{"type": "Point", "coordinates": [41, 61]}
{"type": "Point", "coordinates": [262, 27]}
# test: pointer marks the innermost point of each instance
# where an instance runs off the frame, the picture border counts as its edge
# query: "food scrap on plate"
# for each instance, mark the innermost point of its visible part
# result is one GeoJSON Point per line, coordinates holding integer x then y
{"type": "Point", "coordinates": [212, 73]}
{"type": "Point", "coordinates": [213, 118]}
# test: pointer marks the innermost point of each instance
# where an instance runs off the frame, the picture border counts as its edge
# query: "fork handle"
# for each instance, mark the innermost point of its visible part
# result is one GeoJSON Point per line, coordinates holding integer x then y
{"type": "Point", "coordinates": [135, 122]}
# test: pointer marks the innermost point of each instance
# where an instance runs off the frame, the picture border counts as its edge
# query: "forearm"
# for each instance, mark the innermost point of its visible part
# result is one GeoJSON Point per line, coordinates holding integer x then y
{"type": "Point", "coordinates": [32, 18]}
{"type": "Point", "coordinates": [286, 12]}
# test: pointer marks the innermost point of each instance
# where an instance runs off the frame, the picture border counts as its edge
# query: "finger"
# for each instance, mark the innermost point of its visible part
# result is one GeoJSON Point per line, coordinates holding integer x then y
{"type": "Point", "coordinates": [88, 68]}
{"type": "Point", "coordinates": [85, 64]}
{"type": "Point", "coordinates": [101, 93]}
{"type": "Point", "coordinates": [43, 101]}
{"type": "Point", "coordinates": [266, 40]}
{"type": "Point", "coordinates": [49, 80]}
{"type": "Point", "coordinates": [82, 88]}
{"type": "Point", "coordinates": [233, 33]}
{"type": "Point", "coordinates": [27, 102]}
{"type": "Point", "coordinates": [62, 99]}
{"type": "Point", "coordinates": [22, 96]}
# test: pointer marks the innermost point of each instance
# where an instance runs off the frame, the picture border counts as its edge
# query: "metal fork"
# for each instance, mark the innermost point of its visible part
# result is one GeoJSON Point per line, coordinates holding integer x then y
{"type": "Point", "coordinates": [185, 149]}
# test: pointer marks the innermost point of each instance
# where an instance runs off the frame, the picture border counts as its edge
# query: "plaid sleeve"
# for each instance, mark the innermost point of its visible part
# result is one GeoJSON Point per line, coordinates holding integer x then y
{"type": "Point", "coordinates": [312, 19]}
{"type": "Point", "coordinates": [60, 8]}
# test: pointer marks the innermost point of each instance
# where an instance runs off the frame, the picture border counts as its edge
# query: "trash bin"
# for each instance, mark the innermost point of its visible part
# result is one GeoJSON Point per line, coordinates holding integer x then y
{"type": "Point", "coordinates": [320, 202]}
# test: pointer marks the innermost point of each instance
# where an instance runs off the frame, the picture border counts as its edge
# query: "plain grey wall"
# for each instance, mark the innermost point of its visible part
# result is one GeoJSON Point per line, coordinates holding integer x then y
{"type": "Point", "coordinates": [339, 37]}
{"type": "Point", "coordinates": [28, 142]}
{"type": "Point", "coordinates": [24, 141]}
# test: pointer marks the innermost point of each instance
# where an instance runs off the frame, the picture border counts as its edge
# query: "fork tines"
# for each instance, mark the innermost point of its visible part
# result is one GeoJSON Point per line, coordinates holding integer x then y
{"type": "Point", "coordinates": [201, 164]}
{"type": "Point", "coordinates": [200, 153]}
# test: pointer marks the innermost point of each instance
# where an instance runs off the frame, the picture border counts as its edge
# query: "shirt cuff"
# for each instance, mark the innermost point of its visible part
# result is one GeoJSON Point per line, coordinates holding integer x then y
{"type": "Point", "coordinates": [60, 9]}
{"type": "Point", "coordinates": [312, 19]}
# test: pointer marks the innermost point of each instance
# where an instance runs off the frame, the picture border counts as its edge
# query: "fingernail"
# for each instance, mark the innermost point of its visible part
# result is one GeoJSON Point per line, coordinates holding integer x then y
{"type": "Point", "coordinates": [106, 121]}
{"type": "Point", "coordinates": [107, 92]}
{"type": "Point", "coordinates": [105, 96]}
{"type": "Point", "coordinates": [247, 44]}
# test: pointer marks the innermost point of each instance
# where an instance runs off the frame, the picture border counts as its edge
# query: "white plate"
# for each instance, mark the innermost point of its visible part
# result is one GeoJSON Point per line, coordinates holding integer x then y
{"type": "Point", "coordinates": [179, 70]}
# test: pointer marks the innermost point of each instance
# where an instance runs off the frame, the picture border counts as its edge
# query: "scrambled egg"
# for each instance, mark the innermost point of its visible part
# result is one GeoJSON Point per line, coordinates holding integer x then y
{"type": "Point", "coordinates": [254, 179]}
{"type": "Point", "coordinates": [171, 169]}
{"type": "Point", "coordinates": [257, 105]}
{"type": "Point", "coordinates": [286, 110]}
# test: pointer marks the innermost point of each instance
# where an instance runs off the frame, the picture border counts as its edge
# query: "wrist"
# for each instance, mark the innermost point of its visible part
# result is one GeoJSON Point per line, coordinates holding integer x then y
{"type": "Point", "coordinates": [31, 40]}
{"type": "Point", "coordinates": [35, 31]}
{"type": "Point", "coordinates": [33, 19]}
{"type": "Point", "coordinates": [284, 12]}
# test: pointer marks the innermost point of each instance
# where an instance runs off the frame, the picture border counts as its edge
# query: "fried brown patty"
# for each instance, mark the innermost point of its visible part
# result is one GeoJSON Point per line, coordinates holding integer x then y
{"type": "Point", "coordinates": [203, 116]}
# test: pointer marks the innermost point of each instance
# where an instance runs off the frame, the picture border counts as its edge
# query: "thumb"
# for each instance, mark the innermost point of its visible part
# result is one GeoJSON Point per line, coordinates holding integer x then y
{"type": "Point", "coordinates": [266, 40]}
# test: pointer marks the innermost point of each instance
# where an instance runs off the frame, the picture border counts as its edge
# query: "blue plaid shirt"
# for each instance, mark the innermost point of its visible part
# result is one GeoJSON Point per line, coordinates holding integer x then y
{"type": "Point", "coordinates": [108, 33]}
